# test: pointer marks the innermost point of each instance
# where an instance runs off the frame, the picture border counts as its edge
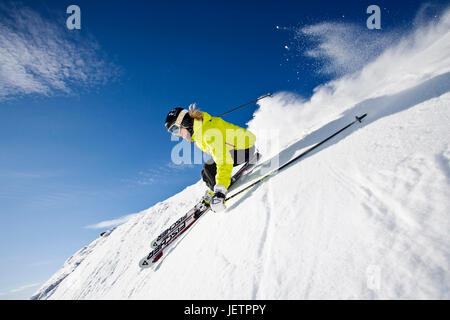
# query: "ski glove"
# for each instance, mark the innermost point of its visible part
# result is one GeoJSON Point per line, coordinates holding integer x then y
{"type": "Point", "coordinates": [218, 199]}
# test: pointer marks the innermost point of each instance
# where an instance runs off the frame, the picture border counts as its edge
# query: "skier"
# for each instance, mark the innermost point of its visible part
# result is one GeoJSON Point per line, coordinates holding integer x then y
{"type": "Point", "coordinates": [228, 145]}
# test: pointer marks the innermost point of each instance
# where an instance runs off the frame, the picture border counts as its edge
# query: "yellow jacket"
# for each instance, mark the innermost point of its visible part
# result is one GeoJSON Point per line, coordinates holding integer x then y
{"type": "Point", "coordinates": [217, 137]}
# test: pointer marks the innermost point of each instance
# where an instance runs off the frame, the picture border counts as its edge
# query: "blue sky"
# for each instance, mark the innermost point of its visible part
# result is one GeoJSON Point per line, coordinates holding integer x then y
{"type": "Point", "coordinates": [81, 111]}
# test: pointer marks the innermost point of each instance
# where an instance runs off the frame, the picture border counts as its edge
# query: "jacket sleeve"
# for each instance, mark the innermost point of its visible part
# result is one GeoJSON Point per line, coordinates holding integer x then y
{"type": "Point", "coordinates": [222, 157]}
{"type": "Point", "coordinates": [223, 175]}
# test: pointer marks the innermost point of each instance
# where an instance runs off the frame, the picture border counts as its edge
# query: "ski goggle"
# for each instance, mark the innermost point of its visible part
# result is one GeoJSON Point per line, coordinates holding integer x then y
{"type": "Point", "coordinates": [175, 128]}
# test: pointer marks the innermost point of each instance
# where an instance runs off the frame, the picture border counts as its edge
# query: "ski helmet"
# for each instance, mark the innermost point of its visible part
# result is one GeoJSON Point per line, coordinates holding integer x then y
{"type": "Point", "coordinates": [177, 118]}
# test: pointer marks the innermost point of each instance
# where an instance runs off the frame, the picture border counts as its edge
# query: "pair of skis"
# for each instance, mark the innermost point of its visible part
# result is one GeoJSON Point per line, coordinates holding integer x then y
{"type": "Point", "coordinates": [168, 237]}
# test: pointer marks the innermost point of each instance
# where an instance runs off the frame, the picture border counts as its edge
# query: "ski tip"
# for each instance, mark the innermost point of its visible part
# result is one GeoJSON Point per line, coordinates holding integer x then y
{"type": "Point", "coordinates": [154, 244]}
{"type": "Point", "coordinates": [144, 264]}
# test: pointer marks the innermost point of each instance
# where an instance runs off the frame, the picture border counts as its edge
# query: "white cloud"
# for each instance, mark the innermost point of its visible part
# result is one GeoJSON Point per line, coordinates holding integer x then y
{"type": "Point", "coordinates": [24, 287]}
{"type": "Point", "coordinates": [111, 223]}
{"type": "Point", "coordinates": [41, 56]}
{"type": "Point", "coordinates": [148, 177]}
{"type": "Point", "coordinates": [161, 174]}
{"type": "Point", "coordinates": [182, 166]}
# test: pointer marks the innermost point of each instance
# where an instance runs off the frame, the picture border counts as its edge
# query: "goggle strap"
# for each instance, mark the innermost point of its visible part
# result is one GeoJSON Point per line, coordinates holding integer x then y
{"type": "Point", "coordinates": [180, 118]}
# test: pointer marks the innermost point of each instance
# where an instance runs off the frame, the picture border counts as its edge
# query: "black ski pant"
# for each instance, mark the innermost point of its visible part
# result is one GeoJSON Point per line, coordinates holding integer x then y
{"type": "Point", "coordinates": [239, 156]}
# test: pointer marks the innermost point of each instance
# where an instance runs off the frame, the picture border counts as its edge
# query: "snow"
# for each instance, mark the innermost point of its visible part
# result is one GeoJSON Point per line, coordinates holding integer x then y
{"type": "Point", "coordinates": [365, 216]}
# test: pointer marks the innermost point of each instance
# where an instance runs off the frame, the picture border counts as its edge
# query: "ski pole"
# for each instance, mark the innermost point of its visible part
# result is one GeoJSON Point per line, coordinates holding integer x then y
{"type": "Point", "coordinates": [358, 119]}
{"type": "Point", "coordinates": [265, 96]}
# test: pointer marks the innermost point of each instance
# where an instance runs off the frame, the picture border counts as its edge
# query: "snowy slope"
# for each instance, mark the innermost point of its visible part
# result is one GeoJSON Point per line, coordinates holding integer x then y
{"type": "Point", "coordinates": [365, 216]}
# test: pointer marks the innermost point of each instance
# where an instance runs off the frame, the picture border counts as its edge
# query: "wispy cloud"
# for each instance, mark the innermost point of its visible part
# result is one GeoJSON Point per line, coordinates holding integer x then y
{"type": "Point", "coordinates": [25, 175]}
{"type": "Point", "coordinates": [41, 56]}
{"type": "Point", "coordinates": [183, 166]}
{"type": "Point", "coordinates": [157, 175]}
{"type": "Point", "coordinates": [24, 287]}
{"type": "Point", "coordinates": [144, 178]}
{"type": "Point", "coordinates": [111, 223]}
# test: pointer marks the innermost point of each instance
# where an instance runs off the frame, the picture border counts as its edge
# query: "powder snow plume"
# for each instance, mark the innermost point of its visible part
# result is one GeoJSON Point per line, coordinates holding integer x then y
{"type": "Point", "coordinates": [415, 58]}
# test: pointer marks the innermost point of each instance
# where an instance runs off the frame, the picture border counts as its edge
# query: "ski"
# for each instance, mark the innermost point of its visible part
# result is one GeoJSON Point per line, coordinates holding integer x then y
{"type": "Point", "coordinates": [174, 227]}
{"type": "Point", "coordinates": [156, 254]}
{"type": "Point", "coordinates": [179, 227]}
{"type": "Point", "coordinates": [155, 243]}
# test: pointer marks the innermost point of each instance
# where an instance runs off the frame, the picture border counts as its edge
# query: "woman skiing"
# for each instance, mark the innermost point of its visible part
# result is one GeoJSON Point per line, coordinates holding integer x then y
{"type": "Point", "coordinates": [228, 145]}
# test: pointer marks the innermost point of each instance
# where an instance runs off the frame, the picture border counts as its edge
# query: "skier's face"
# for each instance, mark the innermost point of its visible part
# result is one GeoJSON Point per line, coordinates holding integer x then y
{"type": "Point", "coordinates": [184, 133]}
